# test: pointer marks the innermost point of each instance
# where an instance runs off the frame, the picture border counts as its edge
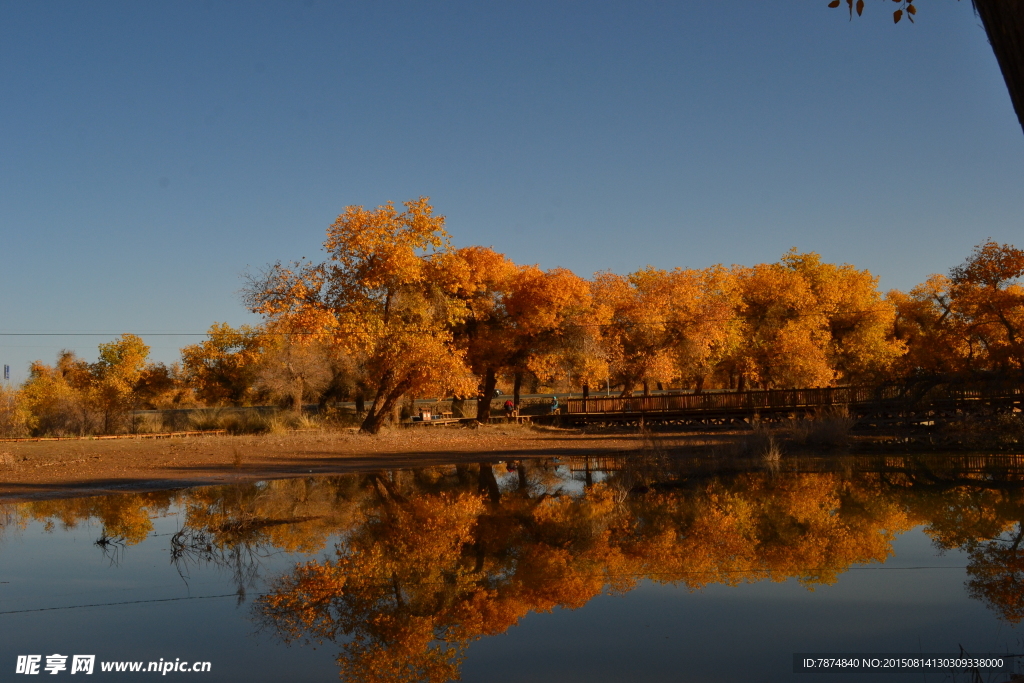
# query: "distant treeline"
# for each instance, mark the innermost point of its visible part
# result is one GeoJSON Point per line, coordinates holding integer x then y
{"type": "Point", "coordinates": [394, 311]}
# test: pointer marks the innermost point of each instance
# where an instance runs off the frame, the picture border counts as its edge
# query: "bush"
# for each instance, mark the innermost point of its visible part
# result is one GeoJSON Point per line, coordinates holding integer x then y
{"type": "Point", "coordinates": [829, 429]}
{"type": "Point", "coordinates": [15, 419]}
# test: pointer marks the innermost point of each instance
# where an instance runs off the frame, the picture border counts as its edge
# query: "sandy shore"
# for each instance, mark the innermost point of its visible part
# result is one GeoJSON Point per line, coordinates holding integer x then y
{"type": "Point", "coordinates": [33, 470]}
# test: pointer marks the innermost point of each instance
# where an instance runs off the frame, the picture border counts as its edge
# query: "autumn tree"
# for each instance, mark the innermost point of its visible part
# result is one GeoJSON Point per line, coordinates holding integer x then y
{"type": "Point", "coordinates": [520, 320]}
{"type": "Point", "coordinates": [162, 387]}
{"type": "Point", "coordinates": [293, 371]}
{"type": "Point", "coordinates": [116, 374]}
{"type": "Point", "coordinates": [968, 324]}
{"type": "Point", "coordinates": [858, 318]}
{"type": "Point", "coordinates": [222, 369]}
{"type": "Point", "coordinates": [523, 321]}
{"type": "Point", "coordinates": [77, 397]}
{"type": "Point", "coordinates": [383, 293]}
{"type": "Point", "coordinates": [58, 396]}
{"type": "Point", "coordinates": [936, 344]}
{"type": "Point", "coordinates": [15, 417]}
{"type": "Point", "coordinates": [637, 337]}
{"type": "Point", "coordinates": [554, 327]}
{"type": "Point", "coordinates": [346, 375]}
{"type": "Point", "coordinates": [667, 326]}
{"type": "Point", "coordinates": [809, 323]}
{"type": "Point", "coordinates": [480, 278]}
{"type": "Point", "coordinates": [785, 334]}
{"type": "Point", "coordinates": [987, 294]}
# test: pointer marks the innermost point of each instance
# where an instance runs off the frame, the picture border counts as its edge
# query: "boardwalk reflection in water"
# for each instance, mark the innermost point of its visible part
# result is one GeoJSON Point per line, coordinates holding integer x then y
{"type": "Point", "coordinates": [420, 564]}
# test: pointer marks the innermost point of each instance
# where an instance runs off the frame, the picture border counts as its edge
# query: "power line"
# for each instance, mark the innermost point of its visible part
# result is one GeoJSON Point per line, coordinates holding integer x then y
{"type": "Point", "coordinates": [128, 602]}
{"type": "Point", "coordinates": [610, 575]}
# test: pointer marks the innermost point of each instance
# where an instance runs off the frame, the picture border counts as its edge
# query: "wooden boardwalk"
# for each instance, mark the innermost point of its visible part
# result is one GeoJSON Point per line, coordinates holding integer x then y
{"type": "Point", "coordinates": [887, 402]}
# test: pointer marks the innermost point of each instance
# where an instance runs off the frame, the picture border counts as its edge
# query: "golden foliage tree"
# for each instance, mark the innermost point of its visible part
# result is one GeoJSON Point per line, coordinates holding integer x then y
{"type": "Point", "coordinates": [15, 416]}
{"type": "Point", "coordinates": [294, 371]}
{"type": "Point", "coordinates": [384, 294]}
{"type": "Point", "coordinates": [967, 324]}
{"type": "Point", "coordinates": [222, 369]}
{"type": "Point", "coordinates": [668, 326]}
{"type": "Point", "coordinates": [554, 326]}
{"type": "Point", "coordinates": [78, 397]}
{"type": "Point", "coordinates": [480, 278]}
{"type": "Point", "coordinates": [808, 323]}
{"type": "Point", "coordinates": [988, 297]}
{"type": "Point", "coordinates": [121, 366]}
{"type": "Point", "coordinates": [57, 396]}
{"type": "Point", "coordinates": [638, 335]}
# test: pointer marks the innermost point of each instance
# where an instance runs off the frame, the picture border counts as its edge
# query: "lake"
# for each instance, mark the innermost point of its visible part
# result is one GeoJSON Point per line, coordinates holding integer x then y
{"type": "Point", "coordinates": [646, 568]}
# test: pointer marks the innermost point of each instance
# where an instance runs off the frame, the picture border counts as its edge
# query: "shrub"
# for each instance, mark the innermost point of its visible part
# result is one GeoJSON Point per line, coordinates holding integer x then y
{"type": "Point", "coordinates": [828, 429]}
{"type": "Point", "coordinates": [15, 418]}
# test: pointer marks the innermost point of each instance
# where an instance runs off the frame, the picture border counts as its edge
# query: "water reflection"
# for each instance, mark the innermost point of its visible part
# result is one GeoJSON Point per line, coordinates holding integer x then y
{"type": "Point", "coordinates": [421, 563]}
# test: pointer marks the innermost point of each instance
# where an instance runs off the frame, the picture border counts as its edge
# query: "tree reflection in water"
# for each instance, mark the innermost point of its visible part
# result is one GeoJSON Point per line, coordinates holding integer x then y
{"type": "Point", "coordinates": [427, 561]}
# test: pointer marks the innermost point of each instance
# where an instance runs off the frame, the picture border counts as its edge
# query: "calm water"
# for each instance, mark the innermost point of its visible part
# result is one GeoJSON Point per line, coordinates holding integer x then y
{"type": "Point", "coordinates": [650, 570]}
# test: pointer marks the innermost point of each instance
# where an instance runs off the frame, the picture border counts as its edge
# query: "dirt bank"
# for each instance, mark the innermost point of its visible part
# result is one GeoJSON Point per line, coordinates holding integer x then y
{"type": "Point", "coordinates": [70, 468]}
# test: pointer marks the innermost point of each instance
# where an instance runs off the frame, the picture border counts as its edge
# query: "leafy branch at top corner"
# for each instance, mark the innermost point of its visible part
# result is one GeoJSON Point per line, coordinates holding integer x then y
{"type": "Point", "coordinates": [907, 6]}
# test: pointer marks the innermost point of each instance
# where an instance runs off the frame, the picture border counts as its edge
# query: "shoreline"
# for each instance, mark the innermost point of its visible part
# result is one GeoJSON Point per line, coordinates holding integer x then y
{"type": "Point", "coordinates": [70, 468]}
{"type": "Point", "coordinates": [73, 468]}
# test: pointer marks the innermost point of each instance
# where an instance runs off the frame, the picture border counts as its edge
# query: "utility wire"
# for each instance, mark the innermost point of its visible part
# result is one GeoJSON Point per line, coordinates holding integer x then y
{"type": "Point", "coordinates": [582, 576]}
{"type": "Point", "coordinates": [128, 602]}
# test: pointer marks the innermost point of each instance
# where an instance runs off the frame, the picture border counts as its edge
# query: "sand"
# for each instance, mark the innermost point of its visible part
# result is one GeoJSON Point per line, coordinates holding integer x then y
{"type": "Point", "coordinates": [53, 469]}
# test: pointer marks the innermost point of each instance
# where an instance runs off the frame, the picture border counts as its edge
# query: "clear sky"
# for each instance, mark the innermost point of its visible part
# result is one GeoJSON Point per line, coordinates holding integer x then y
{"type": "Point", "coordinates": [151, 151]}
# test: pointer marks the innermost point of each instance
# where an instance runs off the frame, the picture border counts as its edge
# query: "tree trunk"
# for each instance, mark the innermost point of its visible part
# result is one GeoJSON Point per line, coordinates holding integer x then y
{"type": "Point", "coordinates": [458, 407]}
{"type": "Point", "coordinates": [374, 420]}
{"type": "Point", "coordinates": [1004, 23]}
{"type": "Point", "coordinates": [360, 403]}
{"type": "Point", "coordinates": [488, 484]}
{"type": "Point", "coordinates": [382, 408]}
{"type": "Point", "coordinates": [647, 388]}
{"type": "Point", "coordinates": [517, 385]}
{"type": "Point", "coordinates": [483, 406]}
{"type": "Point", "coordinates": [699, 388]}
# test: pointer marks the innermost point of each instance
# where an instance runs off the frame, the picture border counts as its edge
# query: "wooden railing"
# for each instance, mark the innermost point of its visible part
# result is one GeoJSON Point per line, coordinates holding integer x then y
{"type": "Point", "coordinates": [771, 399]}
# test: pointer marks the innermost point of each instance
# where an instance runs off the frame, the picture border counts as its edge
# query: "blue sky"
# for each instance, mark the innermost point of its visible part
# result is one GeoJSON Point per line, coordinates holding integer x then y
{"type": "Point", "coordinates": [151, 152]}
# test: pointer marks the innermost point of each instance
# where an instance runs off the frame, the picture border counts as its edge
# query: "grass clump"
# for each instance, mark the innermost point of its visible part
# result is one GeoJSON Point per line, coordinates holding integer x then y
{"type": "Point", "coordinates": [829, 429]}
